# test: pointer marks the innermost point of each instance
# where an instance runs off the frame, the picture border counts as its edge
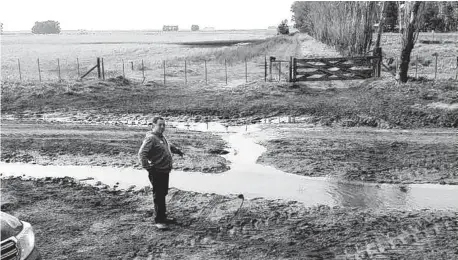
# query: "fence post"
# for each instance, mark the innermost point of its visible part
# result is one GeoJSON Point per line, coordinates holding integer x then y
{"type": "Point", "coordinates": [225, 68]}
{"type": "Point", "coordinates": [205, 63]}
{"type": "Point", "coordinates": [39, 71]}
{"type": "Point", "coordinates": [99, 72]}
{"type": "Point", "coordinates": [58, 68]}
{"type": "Point", "coordinates": [435, 67]}
{"type": "Point", "coordinates": [265, 68]}
{"type": "Point", "coordinates": [378, 64]}
{"type": "Point", "coordinates": [246, 71]}
{"type": "Point", "coordinates": [294, 69]}
{"type": "Point", "coordinates": [78, 66]}
{"type": "Point", "coordinates": [185, 73]}
{"type": "Point", "coordinates": [396, 68]}
{"type": "Point", "coordinates": [132, 65]}
{"type": "Point", "coordinates": [270, 68]}
{"type": "Point", "coordinates": [416, 67]}
{"type": "Point", "coordinates": [456, 76]}
{"type": "Point", "coordinates": [143, 70]}
{"type": "Point", "coordinates": [19, 68]}
{"type": "Point", "coordinates": [290, 76]}
{"type": "Point", "coordinates": [123, 72]}
{"type": "Point", "coordinates": [279, 71]}
{"type": "Point", "coordinates": [103, 70]}
{"type": "Point", "coordinates": [163, 62]}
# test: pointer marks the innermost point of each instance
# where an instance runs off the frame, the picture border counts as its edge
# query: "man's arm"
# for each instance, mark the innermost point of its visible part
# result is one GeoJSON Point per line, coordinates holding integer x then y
{"type": "Point", "coordinates": [175, 150]}
{"type": "Point", "coordinates": [143, 153]}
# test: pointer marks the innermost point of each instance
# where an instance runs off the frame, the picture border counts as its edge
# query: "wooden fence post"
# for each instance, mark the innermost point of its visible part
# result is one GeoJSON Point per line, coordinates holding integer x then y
{"type": "Point", "coordinates": [246, 71]}
{"type": "Point", "coordinates": [103, 70]}
{"type": "Point", "coordinates": [205, 63]}
{"type": "Point", "coordinates": [456, 76]}
{"type": "Point", "coordinates": [435, 67]}
{"type": "Point", "coordinates": [396, 68]}
{"type": "Point", "coordinates": [164, 70]}
{"type": "Point", "coordinates": [265, 68]}
{"type": "Point", "coordinates": [58, 68]}
{"type": "Point", "coordinates": [294, 69]}
{"type": "Point", "coordinates": [78, 66]}
{"type": "Point", "coordinates": [185, 73]}
{"type": "Point", "coordinates": [99, 71]}
{"type": "Point", "coordinates": [290, 75]}
{"type": "Point", "coordinates": [19, 68]}
{"type": "Point", "coordinates": [378, 63]}
{"type": "Point", "coordinates": [143, 70]}
{"type": "Point", "coordinates": [416, 67]}
{"type": "Point", "coordinates": [39, 71]}
{"type": "Point", "coordinates": [225, 69]}
{"type": "Point", "coordinates": [270, 68]}
{"type": "Point", "coordinates": [132, 65]}
{"type": "Point", "coordinates": [123, 72]}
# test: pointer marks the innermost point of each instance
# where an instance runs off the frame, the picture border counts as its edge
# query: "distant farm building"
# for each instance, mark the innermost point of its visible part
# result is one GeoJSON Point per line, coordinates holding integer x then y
{"type": "Point", "coordinates": [170, 28]}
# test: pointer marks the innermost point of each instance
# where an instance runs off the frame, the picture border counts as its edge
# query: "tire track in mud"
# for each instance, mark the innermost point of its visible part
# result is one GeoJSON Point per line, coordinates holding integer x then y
{"type": "Point", "coordinates": [421, 236]}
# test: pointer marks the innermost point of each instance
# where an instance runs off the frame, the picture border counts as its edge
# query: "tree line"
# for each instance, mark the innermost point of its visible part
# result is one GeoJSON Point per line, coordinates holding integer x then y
{"type": "Point", "coordinates": [440, 16]}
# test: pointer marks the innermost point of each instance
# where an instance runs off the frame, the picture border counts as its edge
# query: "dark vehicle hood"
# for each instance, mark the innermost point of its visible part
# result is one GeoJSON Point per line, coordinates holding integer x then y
{"type": "Point", "coordinates": [10, 226]}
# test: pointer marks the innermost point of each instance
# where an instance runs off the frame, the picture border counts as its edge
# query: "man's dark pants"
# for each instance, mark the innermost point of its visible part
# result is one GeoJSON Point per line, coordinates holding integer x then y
{"type": "Point", "coordinates": [160, 182]}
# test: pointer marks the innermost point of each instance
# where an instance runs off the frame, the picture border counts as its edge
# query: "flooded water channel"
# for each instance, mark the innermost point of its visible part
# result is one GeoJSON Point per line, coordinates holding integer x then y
{"type": "Point", "coordinates": [255, 180]}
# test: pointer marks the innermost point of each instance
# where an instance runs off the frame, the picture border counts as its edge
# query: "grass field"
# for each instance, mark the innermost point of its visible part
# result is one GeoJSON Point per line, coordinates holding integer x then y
{"type": "Point", "coordinates": [131, 48]}
{"type": "Point", "coordinates": [446, 49]}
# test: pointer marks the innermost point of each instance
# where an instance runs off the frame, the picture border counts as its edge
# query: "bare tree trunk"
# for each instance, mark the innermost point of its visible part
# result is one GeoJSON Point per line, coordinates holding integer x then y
{"type": "Point", "coordinates": [409, 36]}
{"type": "Point", "coordinates": [380, 25]}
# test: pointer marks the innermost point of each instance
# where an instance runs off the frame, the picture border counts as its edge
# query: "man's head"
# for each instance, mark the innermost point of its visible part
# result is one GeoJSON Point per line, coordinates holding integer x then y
{"type": "Point", "coordinates": [158, 125]}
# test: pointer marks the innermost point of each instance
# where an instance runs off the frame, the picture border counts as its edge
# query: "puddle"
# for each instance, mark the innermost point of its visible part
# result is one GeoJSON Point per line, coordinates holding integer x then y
{"type": "Point", "coordinates": [254, 180]}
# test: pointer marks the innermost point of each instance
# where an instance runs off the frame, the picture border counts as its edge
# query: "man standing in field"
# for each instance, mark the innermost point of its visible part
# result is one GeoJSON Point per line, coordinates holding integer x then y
{"type": "Point", "coordinates": [155, 156]}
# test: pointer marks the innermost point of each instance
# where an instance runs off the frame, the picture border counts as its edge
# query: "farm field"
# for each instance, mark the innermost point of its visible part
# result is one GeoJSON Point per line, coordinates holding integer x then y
{"type": "Point", "coordinates": [131, 48]}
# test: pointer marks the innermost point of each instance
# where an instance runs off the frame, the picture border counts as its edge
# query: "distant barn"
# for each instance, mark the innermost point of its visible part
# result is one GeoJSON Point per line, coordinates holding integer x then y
{"type": "Point", "coordinates": [170, 28]}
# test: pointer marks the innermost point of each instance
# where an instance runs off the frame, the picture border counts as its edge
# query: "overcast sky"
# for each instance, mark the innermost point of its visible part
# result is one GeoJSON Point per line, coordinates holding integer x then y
{"type": "Point", "coordinates": [143, 14]}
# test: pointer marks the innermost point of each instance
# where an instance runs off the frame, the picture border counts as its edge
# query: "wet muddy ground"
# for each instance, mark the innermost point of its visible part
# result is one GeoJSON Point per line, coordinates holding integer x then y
{"type": "Point", "coordinates": [365, 154]}
{"type": "Point", "coordinates": [76, 221]}
{"type": "Point", "coordinates": [98, 145]}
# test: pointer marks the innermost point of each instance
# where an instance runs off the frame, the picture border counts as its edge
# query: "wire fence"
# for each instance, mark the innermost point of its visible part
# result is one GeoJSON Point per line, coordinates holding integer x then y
{"type": "Point", "coordinates": [201, 72]}
{"type": "Point", "coordinates": [146, 70]}
{"type": "Point", "coordinates": [431, 66]}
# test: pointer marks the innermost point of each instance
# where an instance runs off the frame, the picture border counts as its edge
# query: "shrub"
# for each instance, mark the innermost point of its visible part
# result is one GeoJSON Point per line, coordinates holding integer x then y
{"type": "Point", "coordinates": [283, 27]}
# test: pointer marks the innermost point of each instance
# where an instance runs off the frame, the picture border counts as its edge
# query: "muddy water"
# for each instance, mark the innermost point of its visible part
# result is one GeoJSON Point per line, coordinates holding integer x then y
{"type": "Point", "coordinates": [254, 180]}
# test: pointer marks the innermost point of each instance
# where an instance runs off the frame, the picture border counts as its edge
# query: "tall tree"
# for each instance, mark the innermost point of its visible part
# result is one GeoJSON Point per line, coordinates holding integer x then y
{"type": "Point", "coordinates": [390, 16]}
{"type": "Point", "coordinates": [46, 27]}
{"type": "Point", "coordinates": [301, 16]}
{"type": "Point", "coordinates": [410, 22]}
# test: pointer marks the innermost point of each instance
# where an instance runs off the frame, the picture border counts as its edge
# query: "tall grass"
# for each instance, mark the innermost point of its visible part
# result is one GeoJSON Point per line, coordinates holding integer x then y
{"type": "Point", "coordinates": [346, 26]}
{"type": "Point", "coordinates": [280, 46]}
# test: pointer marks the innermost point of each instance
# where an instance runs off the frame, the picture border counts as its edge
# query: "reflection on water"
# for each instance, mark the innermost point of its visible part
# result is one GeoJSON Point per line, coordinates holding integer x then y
{"type": "Point", "coordinates": [254, 180]}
